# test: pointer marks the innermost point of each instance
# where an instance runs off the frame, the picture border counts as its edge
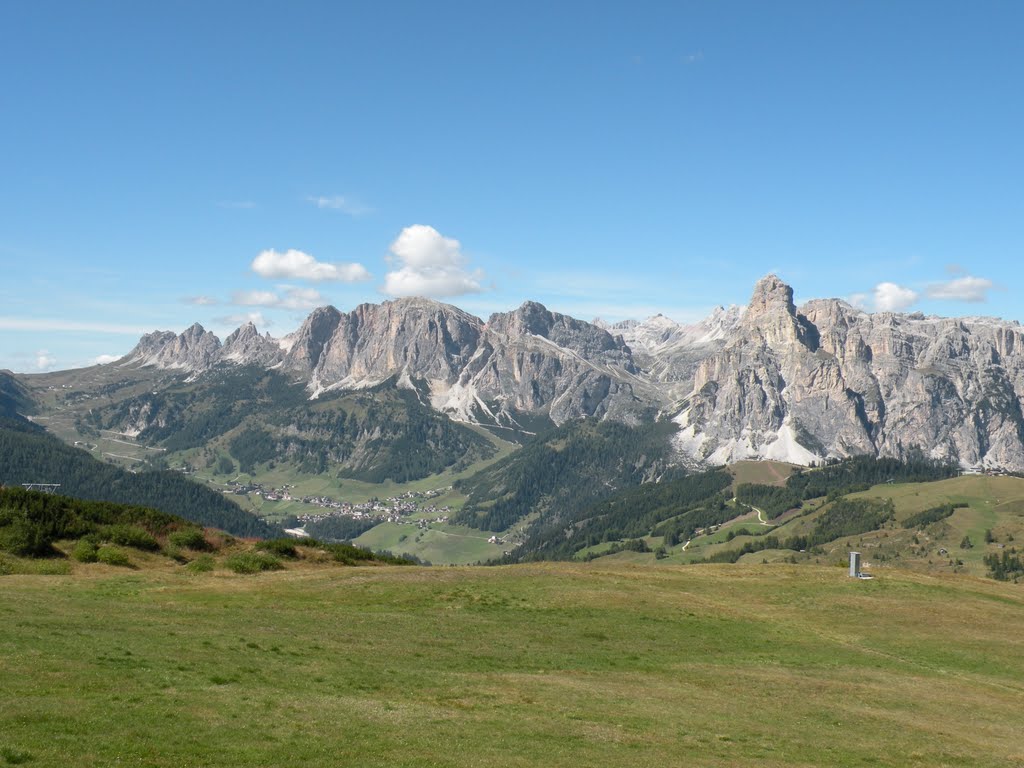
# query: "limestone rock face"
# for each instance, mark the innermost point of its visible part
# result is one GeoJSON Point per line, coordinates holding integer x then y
{"type": "Point", "coordinates": [532, 360]}
{"type": "Point", "coordinates": [245, 345]}
{"type": "Point", "coordinates": [194, 349]}
{"type": "Point", "coordinates": [528, 361]}
{"type": "Point", "coordinates": [831, 380]}
{"type": "Point", "coordinates": [768, 380]}
{"type": "Point", "coordinates": [414, 338]}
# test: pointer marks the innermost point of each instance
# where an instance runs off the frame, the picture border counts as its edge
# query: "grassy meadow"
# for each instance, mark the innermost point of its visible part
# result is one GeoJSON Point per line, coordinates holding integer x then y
{"type": "Point", "coordinates": [550, 665]}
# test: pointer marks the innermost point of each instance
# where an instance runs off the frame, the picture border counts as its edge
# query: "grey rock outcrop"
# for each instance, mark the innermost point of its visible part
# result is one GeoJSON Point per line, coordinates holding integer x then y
{"type": "Point", "coordinates": [768, 380]}
{"type": "Point", "coordinates": [529, 360]}
{"type": "Point", "coordinates": [245, 345]}
{"type": "Point", "coordinates": [533, 360]}
{"type": "Point", "coordinates": [831, 380]}
{"type": "Point", "coordinates": [193, 349]}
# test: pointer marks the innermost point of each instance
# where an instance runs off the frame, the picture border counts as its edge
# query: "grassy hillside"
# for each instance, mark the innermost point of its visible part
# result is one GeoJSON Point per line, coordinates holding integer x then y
{"type": "Point", "coordinates": [762, 472]}
{"type": "Point", "coordinates": [984, 516]}
{"type": "Point", "coordinates": [546, 665]}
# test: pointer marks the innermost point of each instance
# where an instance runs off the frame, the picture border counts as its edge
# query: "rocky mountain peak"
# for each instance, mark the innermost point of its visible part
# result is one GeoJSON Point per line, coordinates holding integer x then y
{"type": "Point", "coordinates": [771, 296]}
{"type": "Point", "coordinates": [308, 342]}
{"type": "Point", "coordinates": [242, 334]}
{"type": "Point", "coordinates": [772, 314]}
{"type": "Point", "coordinates": [246, 346]}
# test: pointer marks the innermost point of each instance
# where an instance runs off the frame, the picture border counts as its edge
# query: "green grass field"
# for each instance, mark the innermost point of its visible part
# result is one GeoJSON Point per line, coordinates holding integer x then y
{"type": "Point", "coordinates": [995, 504]}
{"type": "Point", "coordinates": [440, 543]}
{"type": "Point", "coordinates": [552, 665]}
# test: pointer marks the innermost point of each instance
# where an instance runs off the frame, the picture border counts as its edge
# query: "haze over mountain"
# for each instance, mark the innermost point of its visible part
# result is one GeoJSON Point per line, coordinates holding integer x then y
{"type": "Point", "coordinates": [769, 380]}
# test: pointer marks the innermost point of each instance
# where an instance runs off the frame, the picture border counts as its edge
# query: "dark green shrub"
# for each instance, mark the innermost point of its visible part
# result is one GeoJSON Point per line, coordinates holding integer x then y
{"type": "Point", "coordinates": [279, 547]}
{"type": "Point", "coordinates": [189, 538]}
{"type": "Point", "coordinates": [202, 564]}
{"type": "Point", "coordinates": [15, 756]}
{"type": "Point", "coordinates": [112, 555]}
{"type": "Point", "coordinates": [24, 538]}
{"type": "Point", "coordinates": [131, 536]}
{"type": "Point", "coordinates": [85, 551]}
{"type": "Point", "coordinates": [253, 562]}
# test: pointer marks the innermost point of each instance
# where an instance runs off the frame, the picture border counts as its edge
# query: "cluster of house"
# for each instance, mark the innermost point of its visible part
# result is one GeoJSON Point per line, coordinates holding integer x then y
{"type": "Point", "coordinates": [257, 489]}
{"type": "Point", "coordinates": [392, 509]}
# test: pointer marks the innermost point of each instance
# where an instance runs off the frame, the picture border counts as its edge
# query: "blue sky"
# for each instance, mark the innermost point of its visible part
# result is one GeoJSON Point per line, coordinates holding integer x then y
{"type": "Point", "coordinates": [165, 163]}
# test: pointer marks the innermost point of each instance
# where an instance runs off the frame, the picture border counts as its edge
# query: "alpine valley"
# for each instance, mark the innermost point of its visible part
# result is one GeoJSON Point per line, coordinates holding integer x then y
{"type": "Point", "coordinates": [458, 439]}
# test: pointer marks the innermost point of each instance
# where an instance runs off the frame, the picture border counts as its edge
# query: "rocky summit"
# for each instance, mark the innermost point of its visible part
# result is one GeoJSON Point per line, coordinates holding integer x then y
{"type": "Point", "coordinates": [769, 380]}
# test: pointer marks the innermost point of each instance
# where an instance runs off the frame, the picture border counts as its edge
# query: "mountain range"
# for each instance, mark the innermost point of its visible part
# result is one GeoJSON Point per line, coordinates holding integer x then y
{"type": "Point", "coordinates": [770, 380]}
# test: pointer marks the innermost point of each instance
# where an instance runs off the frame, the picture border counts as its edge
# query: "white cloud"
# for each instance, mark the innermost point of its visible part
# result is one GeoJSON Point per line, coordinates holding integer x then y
{"type": "Point", "coordinates": [105, 359]}
{"type": "Point", "coordinates": [297, 265]}
{"type": "Point", "coordinates": [201, 301]}
{"type": "Point", "coordinates": [44, 361]}
{"type": "Point", "coordinates": [890, 297]}
{"type": "Point", "coordinates": [291, 297]}
{"type": "Point", "coordinates": [241, 318]}
{"type": "Point", "coordinates": [347, 205]}
{"type": "Point", "coordinates": [256, 299]}
{"type": "Point", "coordinates": [967, 288]}
{"type": "Point", "coordinates": [859, 300]}
{"type": "Point", "coordinates": [430, 265]}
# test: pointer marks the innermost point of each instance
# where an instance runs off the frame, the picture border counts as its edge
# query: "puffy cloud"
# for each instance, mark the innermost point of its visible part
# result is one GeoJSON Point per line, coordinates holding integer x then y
{"type": "Point", "coordinates": [430, 265]}
{"type": "Point", "coordinates": [44, 361]}
{"type": "Point", "coordinates": [859, 300]}
{"type": "Point", "coordinates": [201, 301]}
{"type": "Point", "coordinates": [340, 203]}
{"type": "Point", "coordinates": [965, 288]}
{"type": "Point", "coordinates": [291, 297]}
{"type": "Point", "coordinates": [890, 297]}
{"type": "Point", "coordinates": [301, 266]}
{"type": "Point", "coordinates": [105, 359]}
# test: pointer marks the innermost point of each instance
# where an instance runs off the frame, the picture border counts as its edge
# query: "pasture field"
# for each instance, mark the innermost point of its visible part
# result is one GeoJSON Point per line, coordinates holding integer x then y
{"type": "Point", "coordinates": [762, 472]}
{"type": "Point", "coordinates": [438, 543]}
{"type": "Point", "coordinates": [604, 664]}
{"type": "Point", "coordinates": [956, 544]}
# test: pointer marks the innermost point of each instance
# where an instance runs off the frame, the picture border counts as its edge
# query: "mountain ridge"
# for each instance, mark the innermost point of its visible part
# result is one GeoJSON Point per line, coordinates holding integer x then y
{"type": "Point", "coordinates": [804, 384]}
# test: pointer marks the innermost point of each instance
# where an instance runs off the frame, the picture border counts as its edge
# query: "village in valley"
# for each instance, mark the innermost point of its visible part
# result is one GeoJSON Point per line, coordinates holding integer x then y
{"type": "Point", "coordinates": [394, 509]}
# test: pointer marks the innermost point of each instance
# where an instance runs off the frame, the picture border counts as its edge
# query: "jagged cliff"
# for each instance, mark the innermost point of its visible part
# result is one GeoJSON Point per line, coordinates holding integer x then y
{"type": "Point", "coordinates": [769, 380]}
{"type": "Point", "coordinates": [526, 361]}
{"type": "Point", "coordinates": [832, 380]}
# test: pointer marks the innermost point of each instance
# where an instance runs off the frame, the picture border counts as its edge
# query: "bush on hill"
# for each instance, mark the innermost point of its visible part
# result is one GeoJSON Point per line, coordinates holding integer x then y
{"type": "Point", "coordinates": [279, 547]}
{"type": "Point", "coordinates": [253, 562]}
{"type": "Point", "coordinates": [112, 555]}
{"type": "Point", "coordinates": [189, 538]}
{"type": "Point", "coordinates": [30, 523]}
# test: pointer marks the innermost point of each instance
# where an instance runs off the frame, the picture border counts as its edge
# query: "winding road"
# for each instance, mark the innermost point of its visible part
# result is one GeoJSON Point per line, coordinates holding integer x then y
{"type": "Point", "coordinates": [760, 519]}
